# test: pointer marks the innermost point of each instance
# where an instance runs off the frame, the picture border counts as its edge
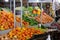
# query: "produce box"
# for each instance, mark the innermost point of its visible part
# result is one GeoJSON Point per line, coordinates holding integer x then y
{"type": "Point", "coordinates": [48, 24]}
{"type": "Point", "coordinates": [4, 32]}
{"type": "Point", "coordinates": [7, 20]}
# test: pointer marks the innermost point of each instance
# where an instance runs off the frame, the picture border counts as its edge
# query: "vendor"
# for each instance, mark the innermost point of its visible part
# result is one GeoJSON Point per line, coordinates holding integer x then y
{"type": "Point", "coordinates": [57, 12]}
{"type": "Point", "coordinates": [57, 15]}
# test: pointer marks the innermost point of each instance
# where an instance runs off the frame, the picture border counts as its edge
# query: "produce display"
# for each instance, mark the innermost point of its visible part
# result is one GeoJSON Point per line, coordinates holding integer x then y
{"type": "Point", "coordinates": [34, 16]}
{"type": "Point", "coordinates": [31, 21]}
{"type": "Point", "coordinates": [7, 20]}
{"type": "Point", "coordinates": [30, 14]}
{"type": "Point", "coordinates": [31, 17]}
{"type": "Point", "coordinates": [44, 19]}
{"type": "Point", "coordinates": [24, 33]}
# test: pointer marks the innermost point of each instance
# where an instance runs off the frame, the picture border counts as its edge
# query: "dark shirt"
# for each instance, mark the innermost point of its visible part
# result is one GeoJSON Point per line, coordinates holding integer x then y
{"type": "Point", "coordinates": [57, 12]}
{"type": "Point", "coordinates": [58, 15]}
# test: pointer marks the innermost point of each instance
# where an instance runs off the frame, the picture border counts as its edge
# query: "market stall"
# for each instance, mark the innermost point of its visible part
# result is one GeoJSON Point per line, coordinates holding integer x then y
{"type": "Point", "coordinates": [27, 22]}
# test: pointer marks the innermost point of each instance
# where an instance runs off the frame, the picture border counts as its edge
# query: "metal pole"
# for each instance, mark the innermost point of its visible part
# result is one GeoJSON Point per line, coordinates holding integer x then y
{"type": "Point", "coordinates": [41, 13]}
{"type": "Point", "coordinates": [27, 3]}
{"type": "Point", "coordinates": [55, 7]}
{"type": "Point", "coordinates": [55, 10]}
{"type": "Point", "coordinates": [14, 12]}
{"type": "Point", "coordinates": [39, 25]}
{"type": "Point", "coordinates": [21, 12]}
{"type": "Point", "coordinates": [10, 4]}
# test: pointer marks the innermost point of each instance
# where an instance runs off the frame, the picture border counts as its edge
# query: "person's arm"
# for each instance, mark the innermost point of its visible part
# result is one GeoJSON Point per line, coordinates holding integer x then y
{"type": "Point", "coordinates": [56, 12]}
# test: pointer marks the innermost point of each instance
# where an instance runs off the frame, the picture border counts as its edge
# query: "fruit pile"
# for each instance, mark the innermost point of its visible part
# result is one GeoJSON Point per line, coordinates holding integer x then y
{"type": "Point", "coordinates": [36, 11]}
{"type": "Point", "coordinates": [25, 24]}
{"type": "Point", "coordinates": [44, 19]}
{"type": "Point", "coordinates": [7, 20]}
{"type": "Point", "coordinates": [23, 33]}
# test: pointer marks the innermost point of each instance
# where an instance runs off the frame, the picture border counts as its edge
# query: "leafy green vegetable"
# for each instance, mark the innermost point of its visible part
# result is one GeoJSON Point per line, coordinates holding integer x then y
{"type": "Point", "coordinates": [30, 20]}
{"type": "Point", "coordinates": [43, 27]}
{"type": "Point", "coordinates": [30, 8]}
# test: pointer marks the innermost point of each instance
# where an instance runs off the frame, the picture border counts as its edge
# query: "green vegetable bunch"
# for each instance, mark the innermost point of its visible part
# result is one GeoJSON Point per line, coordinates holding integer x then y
{"type": "Point", "coordinates": [30, 20]}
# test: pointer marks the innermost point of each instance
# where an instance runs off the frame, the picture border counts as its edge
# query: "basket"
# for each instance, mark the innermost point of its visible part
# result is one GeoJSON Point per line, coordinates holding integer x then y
{"type": "Point", "coordinates": [48, 24]}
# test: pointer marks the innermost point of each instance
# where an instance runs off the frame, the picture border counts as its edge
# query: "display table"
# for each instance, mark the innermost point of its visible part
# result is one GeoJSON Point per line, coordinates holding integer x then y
{"type": "Point", "coordinates": [55, 35]}
{"type": "Point", "coordinates": [50, 34]}
{"type": "Point", "coordinates": [46, 36]}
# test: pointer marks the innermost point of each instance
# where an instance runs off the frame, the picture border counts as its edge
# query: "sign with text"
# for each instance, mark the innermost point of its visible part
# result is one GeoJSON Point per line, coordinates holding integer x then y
{"type": "Point", "coordinates": [39, 0]}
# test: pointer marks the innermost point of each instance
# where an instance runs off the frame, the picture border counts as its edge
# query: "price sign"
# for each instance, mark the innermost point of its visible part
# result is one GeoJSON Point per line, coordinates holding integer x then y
{"type": "Point", "coordinates": [39, 0]}
{"type": "Point", "coordinates": [46, 0]}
